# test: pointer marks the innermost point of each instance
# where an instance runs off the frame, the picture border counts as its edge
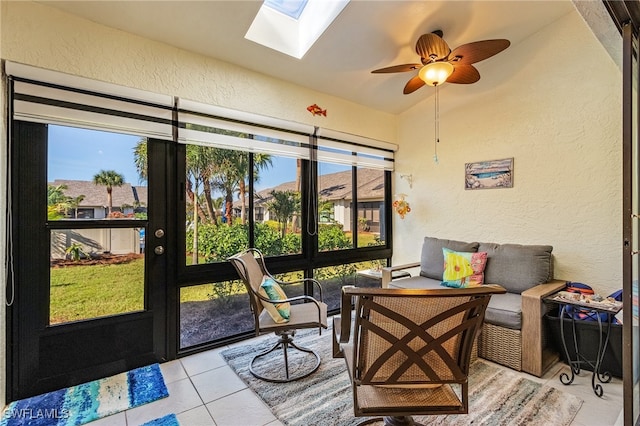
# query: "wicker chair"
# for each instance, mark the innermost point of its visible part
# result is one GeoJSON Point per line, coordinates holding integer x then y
{"type": "Point", "coordinates": [408, 350]}
{"type": "Point", "coordinates": [251, 267]}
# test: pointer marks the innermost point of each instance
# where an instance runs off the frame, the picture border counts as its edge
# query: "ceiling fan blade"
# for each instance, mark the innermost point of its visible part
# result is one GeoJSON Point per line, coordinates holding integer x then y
{"type": "Point", "coordinates": [429, 45]}
{"type": "Point", "coordinates": [398, 68]}
{"type": "Point", "coordinates": [412, 85]}
{"type": "Point", "coordinates": [477, 51]}
{"type": "Point", "coordinates": [463, 74]}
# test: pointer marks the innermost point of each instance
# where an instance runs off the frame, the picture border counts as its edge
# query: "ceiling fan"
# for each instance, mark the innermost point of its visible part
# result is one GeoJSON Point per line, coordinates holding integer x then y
{"type": "Point", "coordinates": [440, 64]}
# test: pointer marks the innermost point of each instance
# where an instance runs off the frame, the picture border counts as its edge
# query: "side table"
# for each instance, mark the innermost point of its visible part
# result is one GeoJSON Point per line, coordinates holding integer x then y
{"type": "Point", "coordinates": [610, 310]}
{"type": "Point", "coordinates": [376, 274]}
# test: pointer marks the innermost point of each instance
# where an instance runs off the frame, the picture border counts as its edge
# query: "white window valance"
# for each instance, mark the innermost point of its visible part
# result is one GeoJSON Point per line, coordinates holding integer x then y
{"type": "Point", "coordinates": [45, 96]}
{"type": "Point", "coordinates": [53, 97]}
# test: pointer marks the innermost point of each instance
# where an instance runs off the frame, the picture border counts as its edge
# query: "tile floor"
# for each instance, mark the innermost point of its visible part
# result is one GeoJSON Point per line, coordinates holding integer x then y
{"type": "Point", "coordinates": [204, 391]}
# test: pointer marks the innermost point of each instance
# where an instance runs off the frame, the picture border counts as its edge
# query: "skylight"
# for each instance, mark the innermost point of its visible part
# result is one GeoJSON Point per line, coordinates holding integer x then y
{"type": "Point", "coordinates": [291, 8]}
{"type": "Point", "coordinates": [293, 26]}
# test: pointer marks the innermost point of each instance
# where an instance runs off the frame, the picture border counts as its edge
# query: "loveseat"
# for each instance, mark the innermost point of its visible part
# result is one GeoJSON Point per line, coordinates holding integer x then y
{"type": "Point", "coordinates": [513, 333]}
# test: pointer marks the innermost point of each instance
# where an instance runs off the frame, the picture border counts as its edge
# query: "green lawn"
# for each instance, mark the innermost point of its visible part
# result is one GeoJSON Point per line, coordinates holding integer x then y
{"type": "Point", "coordinates": [82, 292]}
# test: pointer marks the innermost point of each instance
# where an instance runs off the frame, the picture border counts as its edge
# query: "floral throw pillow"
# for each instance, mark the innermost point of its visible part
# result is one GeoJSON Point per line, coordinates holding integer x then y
{"type": "Point", "coordinates": [462, 270]}
{"type": "Point", "coordinates": [279, 312]}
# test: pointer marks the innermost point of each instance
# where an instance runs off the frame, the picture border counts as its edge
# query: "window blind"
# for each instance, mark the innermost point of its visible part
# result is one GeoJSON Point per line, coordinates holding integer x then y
{"type": "Point", "coordinates": [45, 96]}
{"type": "Point", "coordinates": [220, 127]}
{"type": "Point", "coordinates": [216, 126]}
{"type": "Point", "coordinates": [345, 148]}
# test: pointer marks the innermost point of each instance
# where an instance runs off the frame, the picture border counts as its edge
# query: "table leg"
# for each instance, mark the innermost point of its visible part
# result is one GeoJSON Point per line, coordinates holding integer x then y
{"type": "Point", "coordinates": [564, 377]}
{"type": "Point", "coordinates": [597, 387]}
{"type": "Point", "coordinates": [603, 377]}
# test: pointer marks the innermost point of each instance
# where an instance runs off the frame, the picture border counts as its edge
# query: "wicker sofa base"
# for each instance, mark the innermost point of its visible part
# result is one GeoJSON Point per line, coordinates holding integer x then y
{"type": "Point", "coordinates": [501, 345]}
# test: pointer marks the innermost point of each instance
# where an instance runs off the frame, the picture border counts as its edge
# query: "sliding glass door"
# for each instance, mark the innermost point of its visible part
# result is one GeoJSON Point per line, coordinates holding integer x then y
{"type": "Point", "coordinates": [626, 16]}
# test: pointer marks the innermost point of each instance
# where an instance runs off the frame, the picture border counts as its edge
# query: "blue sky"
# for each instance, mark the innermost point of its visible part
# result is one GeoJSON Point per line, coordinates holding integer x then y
{"type": "Point", "coordinates": [79, 154]}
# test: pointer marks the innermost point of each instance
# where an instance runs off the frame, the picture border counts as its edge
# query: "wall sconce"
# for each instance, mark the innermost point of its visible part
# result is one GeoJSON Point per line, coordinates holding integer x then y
{"type": "Point", "coordinates": [401, 206]}
{"type": "Point", "coordinates": [408, 178]}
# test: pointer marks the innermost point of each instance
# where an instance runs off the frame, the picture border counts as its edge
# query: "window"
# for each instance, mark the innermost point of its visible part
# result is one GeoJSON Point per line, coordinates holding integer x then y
{"type": "Point", "coordinates": [96, 270]}
{"type": "Point", "coordinates": [214, 216]}
{"type": "Point", "coordinates": [371, 202]}
{"type": "Point", "coordinates": [231, 314]}
{"type": "Point", "coordinates": [95, 273]}
{"type": "Point", "coordinates": [335, 198]}
{"type": "Point", "coordinates": [285, 188]}
{"type": "Point", "coordinates": [84, 213]}
{"type": "Point", "coordinates": [94, 174]}
{"type": "Point", "coordinates": [277, 189]}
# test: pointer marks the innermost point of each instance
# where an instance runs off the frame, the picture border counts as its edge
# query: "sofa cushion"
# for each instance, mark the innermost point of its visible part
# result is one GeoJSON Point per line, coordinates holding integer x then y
{"type": "Point", "coordinates": [463, 269]}
{"type": "Point", "coordinates": [517, 267]}
{"type": "Point", "coordinates": [416, 282]}
{"type": "Point", "coordinates": [432, 260]}
{"type": "Point", "coordinates": [505, 310]}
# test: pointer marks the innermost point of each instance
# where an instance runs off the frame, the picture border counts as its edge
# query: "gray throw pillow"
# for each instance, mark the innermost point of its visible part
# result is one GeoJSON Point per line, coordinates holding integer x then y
{"type": "Point", "coordinates": [517, 267]}
{"type": "Point", "coordinates": [432, 259]}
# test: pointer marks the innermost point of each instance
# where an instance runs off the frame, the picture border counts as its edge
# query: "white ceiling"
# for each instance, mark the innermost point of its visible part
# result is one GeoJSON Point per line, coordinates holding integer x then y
{"type": "Point", "coordinates": [367, 35]}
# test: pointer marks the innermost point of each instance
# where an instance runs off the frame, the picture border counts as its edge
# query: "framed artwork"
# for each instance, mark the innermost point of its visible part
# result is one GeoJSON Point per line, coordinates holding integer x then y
{"type": "Point", "coordinates": [489, 174]}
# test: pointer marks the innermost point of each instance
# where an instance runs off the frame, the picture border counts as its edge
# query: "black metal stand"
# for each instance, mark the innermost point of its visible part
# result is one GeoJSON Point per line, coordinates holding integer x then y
{"type": "Point", "coordinates": [286, 343]}
{"type": "Point", "coordinates": [603, 377]}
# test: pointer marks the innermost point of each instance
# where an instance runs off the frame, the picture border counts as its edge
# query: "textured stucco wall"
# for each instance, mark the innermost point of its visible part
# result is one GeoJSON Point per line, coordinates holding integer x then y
{"type": "Point", "coordinates": [558, 113]}
{"type": "Point", "coordinates": [42, 36]}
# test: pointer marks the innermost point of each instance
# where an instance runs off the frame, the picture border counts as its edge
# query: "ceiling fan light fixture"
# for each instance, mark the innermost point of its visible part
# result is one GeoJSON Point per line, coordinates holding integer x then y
{"type": "Point", "coordinates": [435, 73]}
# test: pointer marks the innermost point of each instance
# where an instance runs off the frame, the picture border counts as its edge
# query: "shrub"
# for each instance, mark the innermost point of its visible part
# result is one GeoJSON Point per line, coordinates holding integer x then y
{"type": "Point", "coordinates": [222, 293]}
{"type": "Point", "coordinates": [331, 237]}
{"type": "Point", "coordinates": [75, 252]}
{"type": "Point", "coordinates": [216, 243]}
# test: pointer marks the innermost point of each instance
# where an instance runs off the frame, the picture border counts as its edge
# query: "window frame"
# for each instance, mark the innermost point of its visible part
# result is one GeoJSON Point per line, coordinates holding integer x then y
{"type": "Point", "coordinates": [310, 258]}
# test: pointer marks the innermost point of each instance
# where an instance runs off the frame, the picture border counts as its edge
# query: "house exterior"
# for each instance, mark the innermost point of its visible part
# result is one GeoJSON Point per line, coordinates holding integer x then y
{"type": "Point", "coordinates": [336, 189]}
{"type": "Point", "coordinates": [126, 199]}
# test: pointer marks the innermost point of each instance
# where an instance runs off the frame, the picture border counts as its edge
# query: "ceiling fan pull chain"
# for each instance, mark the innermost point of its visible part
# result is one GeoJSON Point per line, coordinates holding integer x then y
{"type": "Point", "coordinates": [437, 127]}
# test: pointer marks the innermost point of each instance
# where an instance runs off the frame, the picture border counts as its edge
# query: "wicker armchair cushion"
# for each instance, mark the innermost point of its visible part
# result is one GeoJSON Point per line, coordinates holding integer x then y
{"type": "Point", "coordinates": [432, 259]}
{"type": "Point", "coordinates": [517, 267]}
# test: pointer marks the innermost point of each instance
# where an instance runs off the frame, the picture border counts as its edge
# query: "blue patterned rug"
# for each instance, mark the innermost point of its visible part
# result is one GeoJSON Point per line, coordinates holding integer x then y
{"type": "Point", "coordinates": [168, 420]}
{"type": "Point", "coordinates": [84, 403]}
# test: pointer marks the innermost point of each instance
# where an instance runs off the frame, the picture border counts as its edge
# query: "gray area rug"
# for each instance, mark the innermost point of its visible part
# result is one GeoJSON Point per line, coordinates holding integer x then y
{"type": "Point", "coordinates": [496, 396]}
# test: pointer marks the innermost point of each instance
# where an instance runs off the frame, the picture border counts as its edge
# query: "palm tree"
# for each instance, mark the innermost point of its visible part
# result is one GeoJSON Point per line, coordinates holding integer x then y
{"type": "Point", "coordinates": [56, 201]}
{"type": "Point", "coordinates": [284, 205]}
{"type": "Point", "coordinates": [109, 178]}
{"type": "Point", "coordinates": [140, 159]}
{"type": "Point", "coordinates": [196, 162]}
{"type": "Point", "coordinates": [74, 203]}
{"type": "Point", "coordinates": [55, 194]}
{"type": "Point", "coordinates": [241, 162]}
{"type": "Point", "coordinates": [227, 180]}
